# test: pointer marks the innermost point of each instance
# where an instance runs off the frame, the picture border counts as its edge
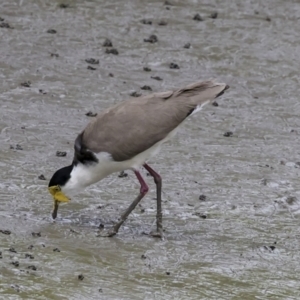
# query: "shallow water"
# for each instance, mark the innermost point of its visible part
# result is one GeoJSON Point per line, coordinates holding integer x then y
{"type": "Point", "coordinates": [250, 179]}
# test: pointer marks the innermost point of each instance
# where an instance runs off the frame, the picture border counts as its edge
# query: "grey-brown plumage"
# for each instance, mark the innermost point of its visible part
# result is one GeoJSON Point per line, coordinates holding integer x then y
{"type": "Point", "coordinates": [135, 125]}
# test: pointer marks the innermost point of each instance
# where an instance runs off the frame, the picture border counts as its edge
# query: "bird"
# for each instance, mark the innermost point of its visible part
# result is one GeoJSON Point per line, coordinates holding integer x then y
{"type": "Point", "coordinates": [124, 137]}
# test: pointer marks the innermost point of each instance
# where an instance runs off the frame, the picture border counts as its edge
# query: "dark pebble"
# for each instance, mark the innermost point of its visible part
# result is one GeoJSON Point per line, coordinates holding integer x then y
{"type": "Point", "coordinates": [156, 78]}
{"type": "Point", "coordinates": [168, 273]}
{"type": "Point", "coordinates": [7, 232]}
{"type": "Point", "coordinates": [107, 43]}
{"type": "Point", "coordinates": [100, 290]}
{"type": "Point", "coordinates": [291, 200]}
{"type": "Point", "coordinates": [113, 51]}
{"type": "Point", "coordinates": [215, 103]}
{"type": "Point", "coordinates": [111, 75]}
{"type": "Point", "coordinates": [19, 147]}
{"type": "Point", "coordinates": [143, 256]}
{"type": "Point", "coordinates": [135, 94]}
{"type": "Point", "coordinates": [268, 19]}
{"type": "Point", "coordinates": [54, 55]}
{"type": "Point", "coordinates": [80, 277]}
{"type": "Point", "coordinates": [42, 92]}
{"type": "Point", "coordinates": [162, 23]}
{"type": "Point", "coordinates": [147, 69]}
{"type": "Point", "coordinates": [146, 88]}
{"type": "Point", "coordinates": [152, 39]}
{"type": "Point", "coordinates": [187, 46]}
{"type": "Point", "coordinates": [29, 256]}
{"type": "Point", "coordinates": [91, 68]}
{"type": "Point", "coordinates": [52, 31]}
{"type": "Point", "coordinates": [42, 177]}
{"type": "Point", "coordinates": [0, 254]}
{"type": "Point", "coordinates": [197, 17]}
{"type": "Point", "coordinates": [91, 114]}
{"type": "Point", "coordinates": [168, 3]}
{"type": "Point", "coordinates": [36, 234]}
{"type": "Point", "coordinates": [56, 250]}
{"type": "Point", "coordinates": [30, 247]}
{"type": "Point", "coordinates": [1, 20]}
{"type": "Point", "coordinates": [146, 22]}
{"type": "Point", "coordinates": [12, 249]}
{"type": "Point", "coordinates": [32, 267]}
{"type": "Point", "coordinates": [143, 210]}
{"type": "Point", "coordinates": [202, 197]}
{"type": "Point", "coordinates": [61, 153]}
{"type": "Point", "coordinates": [122, 174]}
{"type": "Point", "coordinates": [101, 226]}
{"type": "Point", "coordinates": [272, 247]}
{"type": "Point", "coordinates": [63, 5]}
{"type": "Point", "coordinates": [15, 263]}
{"type": "Point", "coordinates": [228, 134]}
{"type": "Point", "coordinates": [214, 15]}
{"type": "Point", "coordinates": [92, 61]}
{"type": "Point", "coordinates": [167, 8]}
{"type": "Point", "coordinates": [174, 66]}
{"type": "Point", "coordinates": [5, 25]}
{"type": "Point", "coordinates": [26, 84]}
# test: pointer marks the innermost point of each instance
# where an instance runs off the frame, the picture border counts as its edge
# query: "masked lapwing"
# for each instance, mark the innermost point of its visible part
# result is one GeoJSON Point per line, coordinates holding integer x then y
{"type": "Point", "coordinates": [126, 136]}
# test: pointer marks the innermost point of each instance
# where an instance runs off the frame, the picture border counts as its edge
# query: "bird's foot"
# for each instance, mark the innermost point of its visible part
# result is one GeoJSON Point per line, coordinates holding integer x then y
{"type": "Point", "coordinates": [107, 233]}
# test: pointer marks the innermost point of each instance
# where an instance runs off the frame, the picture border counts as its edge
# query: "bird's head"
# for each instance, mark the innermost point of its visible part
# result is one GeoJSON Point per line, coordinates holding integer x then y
{"type": "Point", "coordinates": [57, 185]}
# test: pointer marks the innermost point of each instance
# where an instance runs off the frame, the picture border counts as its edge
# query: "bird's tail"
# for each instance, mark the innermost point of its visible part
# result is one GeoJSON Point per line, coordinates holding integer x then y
{"type": "Point", "coordinates": [201, 92]}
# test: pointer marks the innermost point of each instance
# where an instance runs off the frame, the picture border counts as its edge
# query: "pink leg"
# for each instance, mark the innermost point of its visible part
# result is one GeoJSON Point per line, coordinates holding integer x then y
{"type": "Point", "coordinates": [158, 182]}
{"type": "Point", "coordinates": [143, 191]}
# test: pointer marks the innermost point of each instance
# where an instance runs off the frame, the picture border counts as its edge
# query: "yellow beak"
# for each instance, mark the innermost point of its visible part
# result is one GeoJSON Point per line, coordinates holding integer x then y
{"type": "Point", "coordinates": [58, 196]}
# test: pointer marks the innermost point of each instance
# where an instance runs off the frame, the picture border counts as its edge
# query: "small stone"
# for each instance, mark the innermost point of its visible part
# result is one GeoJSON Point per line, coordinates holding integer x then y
{"type": "Point", "coordinates": [291, 200]}
{"type": "Point", "coordinates": [168, 3]}
{"type": "Point", "coordinates": [54, 55]}
{"type": "Point", "coordinates": [215, 103]}
{"type": "Point", "coordinates": [268, 19]}
{"type": "Point", "coordinates": [122, 174]}
{"type": "Point", "coordinates": [100, 290]}
{"type": "Point", "coordinates": [197, 17]}
{"type": "Point", "coordinates": [168, 273]}
{"type": "Point", "coordinates": [63, 5]}
{"type": "Point", "coordinates": [56, 250]}
{"type": "Point", "coordinates": [1, 19]}
{"type": "Point", "coordinates": [147, 69]}
{"type": "Point", "coordinates": [162, 23]}
{"type": "Point", "coordinates": [272, 247]}
{"type": "Point", "coordinates": [228, 133]}
{"type": "Point", "coordinates": [32, 267]}
{"type": "Point", "coordinates": [113, 51]}
{"type": "Point", "coordinates": [0, 254]}
{"type": "Point", "coordinates": [52, 31]}
{"type": "Point", "coordinates": [135, 94]}
{"type": "Point", "coordinates": [12, 249]}
{"type": "Point", "coordinates": [92, 61]}
{"type": "Point", "coordinates": [6, 232]}
{"type": "Point", "coordinates": [101, 226]}
{"type": "Point", "coordinates": [19, 147]}
{"type": "Point", "coordinates": [26, 84]}
{"type": "Point", "coordinates": [174, 66]}
{"type": "Point", "coordinates": [146, 88]}
{"type": "Point", "coordinates": [42, 92]}
{"type": "Point", "coordinates": [91, 114]}
{"type": "Point", "coordinates": [143, 256]}
{"type": "Point", "coordinates": [91, 68]}
{"type": "Point", "coordinates": [152, 39]}
{"type": "Point", "coordinates": [5, 25]}
{"type": "Point", "coordinates": [29, 256]}
{"type": "Point", "coordinates": [187, 46]}
{"type": "Point", "coordinates": [42, 177]}
{"type": "Point", "coordinates": [30, 247]}
{"type": "Point", "coordinates": [107, 43]}
{"type": "Point", "coordinates": [61, 153]}
{"type": "Point", "coordinates": [156, 78]}
{"type": "Point", "coordinates": [111, 75]}
{"type": "Point", "coordinates": [202, 197]}
{"type": "Point", "coordinates": [80, 277]}
{"type": "Point", "coordinates": [15, 263]}
{"type": "Point", "coordinates": [146, 22]}
{"type": "Point", "coordinates": [36, 234]}
{"type": "Point", "coordinates": [214, 15]}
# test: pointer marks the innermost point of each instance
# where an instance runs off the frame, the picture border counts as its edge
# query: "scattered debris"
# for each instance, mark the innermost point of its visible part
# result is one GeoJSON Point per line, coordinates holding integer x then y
{"type": "Point", "coordinates": [146, 88]}
{"type": "Point", "coordinates": [156, 78]}
{"type": "Point", "coordinates": [56, 250]}
{"type": "Point", "coordinates": [147, 69]}
{"type": "Point", "coordinates": [122, 174]}
{"type": "Point", "coordinates": [26, 84]}
{"type": "Point", "coordinates": [162, 23]}
{"type": "Point", "coordinates": [146, 22]}
{"type": "Point", "coordinates": [174, 66]}
{"type": "Point", "coordinates": [202, 198]}
{"type": "Point", "coordinates": [187, 46]}
{"type": "Point", "coordinates": [214, 15]}
{"type": "Point", "coordinates": [215, 103]}
{"type": "Point", "coordinates": [152, 39]}
{"type": "Point", "coordinates": [107, 43]}
{"type": "Point", "coordinates": [113, 51]}
{"type": "Point", "coordinates": [63, 5]}
{"type": "Point", "coordinates": [61, 153]}
{"type": "Point", "coordinates": [228, 134]}
{"type": "Point", "coordinates": [91, 114]}
{"type": "Point", "coordinates": [32, 267]}
{"type": "Point", "coordinates": [36, 234]}
{"type": "Point", "coordinates": [135, 94]}
{"type": "Point", "coordinates": [80, 277]}
{"type": "Point", "coordinates": [92, 61]}
{"type": "Point", "coordinates": [6, 232]}
{"type": "Point", "coordinates": [91, 68]}
{"type": "Point", "coordinates": [52, 31]}
{"type": "Point", "coordinates": [197, 17]}
{"type": "Point", "coordinates": [42, 177]}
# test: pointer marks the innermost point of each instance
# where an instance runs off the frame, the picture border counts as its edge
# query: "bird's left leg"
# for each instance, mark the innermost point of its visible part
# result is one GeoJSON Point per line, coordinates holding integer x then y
{"type": "Point", "coordinates": [143, 191]}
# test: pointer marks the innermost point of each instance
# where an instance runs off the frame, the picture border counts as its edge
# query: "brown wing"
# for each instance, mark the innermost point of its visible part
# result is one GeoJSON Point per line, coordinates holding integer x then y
{"type": "Point", "coordinates": [137, 124]}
